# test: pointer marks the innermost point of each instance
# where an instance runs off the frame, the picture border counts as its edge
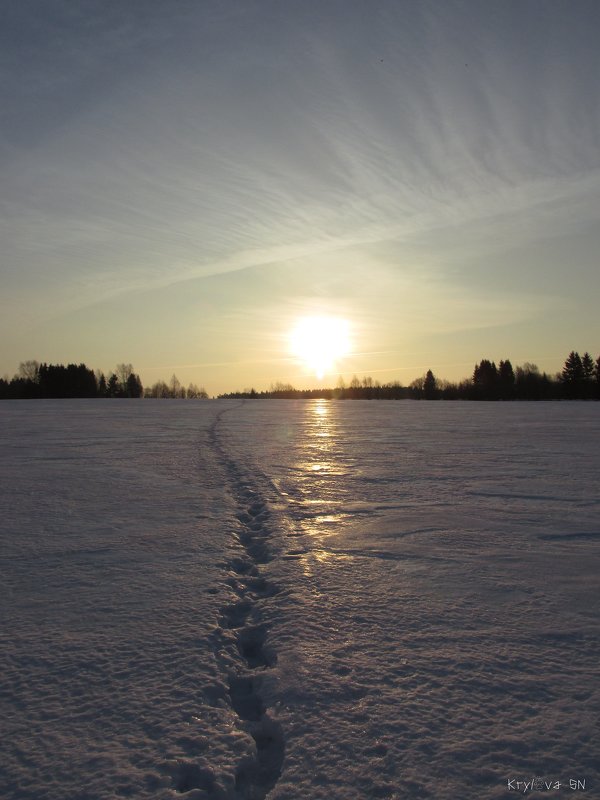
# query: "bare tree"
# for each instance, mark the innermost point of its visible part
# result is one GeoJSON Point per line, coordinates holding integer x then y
{"type": "Point", "coordinates": [158, 390]}
{"type": "Point", "coordinates": [194, 392]}
{"type": "Point", "coordinates": [176, 390]}
{"type": "Point", "coordinates": [28, 370]}
{"type": "Point", "coordinates": [123, 371]}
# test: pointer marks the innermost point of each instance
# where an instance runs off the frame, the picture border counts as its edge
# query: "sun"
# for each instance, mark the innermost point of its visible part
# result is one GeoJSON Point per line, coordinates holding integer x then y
{"type": "Point", "coordinates": [319, 342]}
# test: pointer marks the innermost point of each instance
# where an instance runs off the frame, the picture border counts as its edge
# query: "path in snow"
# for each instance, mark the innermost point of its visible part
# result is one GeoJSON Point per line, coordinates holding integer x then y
{"type": "Point", "coordinates": [245, 617]}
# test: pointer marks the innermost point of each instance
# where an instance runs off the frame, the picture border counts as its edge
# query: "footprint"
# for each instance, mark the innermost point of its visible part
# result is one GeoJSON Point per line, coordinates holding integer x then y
{"type": "Point", "coordinates": [235, 615]}
{"type": "Point", "coordinates": [259, 552]}
{"type": "Point", "coordinates": [261, 587]}
{"type": "Point", "coordinates": [251, 643]}
{"type": "Point", "coordinates": [341, 669]}
{"type": "Point", "coordinates": [245, 700]}
{"type": "Point", "coordinates": [242, 566]}
{"type": "Point", "coordinates": [257, 509]}
{"type": "Point", "coordinates": [257, 524]}
{"type": "Point", "coordinates": [188, 776]}
{"type": "Point", "coordinates": [255, 779]}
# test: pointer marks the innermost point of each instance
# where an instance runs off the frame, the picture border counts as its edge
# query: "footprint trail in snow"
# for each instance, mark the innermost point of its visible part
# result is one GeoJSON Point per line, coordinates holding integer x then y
{"type": "Point", "coordinates": [245, 618]}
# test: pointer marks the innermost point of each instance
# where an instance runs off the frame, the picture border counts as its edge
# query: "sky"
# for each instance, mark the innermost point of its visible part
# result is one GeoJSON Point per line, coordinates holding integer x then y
{"type": "Point", "coordinates": [181, 183]}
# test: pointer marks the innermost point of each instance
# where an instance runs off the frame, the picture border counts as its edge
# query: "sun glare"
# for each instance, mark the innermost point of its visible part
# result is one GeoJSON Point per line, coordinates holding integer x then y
{"type": "Point", "coordinates": [319, 342]}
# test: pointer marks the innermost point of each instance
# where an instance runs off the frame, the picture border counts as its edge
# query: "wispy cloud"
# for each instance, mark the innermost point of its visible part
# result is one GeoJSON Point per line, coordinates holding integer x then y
{"type": "Point", "coordinates": [152, 146]}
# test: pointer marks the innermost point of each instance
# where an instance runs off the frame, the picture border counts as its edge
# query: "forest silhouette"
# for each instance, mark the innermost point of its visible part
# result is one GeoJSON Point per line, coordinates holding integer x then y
{"type": "Point", "coordinates": [579, 379]}
{"type": "Point", "coordinates": [35, 380]}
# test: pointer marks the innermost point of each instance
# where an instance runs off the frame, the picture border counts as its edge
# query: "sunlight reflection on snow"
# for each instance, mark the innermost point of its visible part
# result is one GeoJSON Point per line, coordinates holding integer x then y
{"type": "Point", "coordinates": [323, 556]}
{"type": "Point", "coordinates": [323, 468]}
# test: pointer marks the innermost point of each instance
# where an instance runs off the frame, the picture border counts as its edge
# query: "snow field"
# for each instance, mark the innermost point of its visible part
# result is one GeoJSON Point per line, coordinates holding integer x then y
{"type": "Point", "coordinates": [114, 523]}
{"type": "Point", "coordinates": [297, 599]}
{"type": "Point", "coordinates": [438, 632]}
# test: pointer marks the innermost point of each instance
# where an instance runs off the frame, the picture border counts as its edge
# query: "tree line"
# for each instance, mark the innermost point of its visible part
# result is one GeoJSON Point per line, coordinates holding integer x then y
{"type": "Point", "coordinates": [579, 379]}
{"type": "Point", "coordinates": [43, 381]}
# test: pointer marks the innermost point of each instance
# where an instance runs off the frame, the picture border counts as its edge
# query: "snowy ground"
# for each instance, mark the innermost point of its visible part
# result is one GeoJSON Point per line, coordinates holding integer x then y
{"type": "Point", "coordinates": [298, 600]}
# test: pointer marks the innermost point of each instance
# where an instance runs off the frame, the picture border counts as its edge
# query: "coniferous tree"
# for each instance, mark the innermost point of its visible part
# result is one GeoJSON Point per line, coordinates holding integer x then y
{"type": "Point", "coordinates": [587, 380]}
{"type": "Point", "coordinates": [485, 380]}
{"type": "Point", "coordinates": [74, 380]}
{"type": "Point", "coordinates": [572, 375]}
{"type": "Point", "coordinates": [133, 387]}
{"type": "Point", "coordinates": [506, 380]}
{"type": "Point", "coordinates": [572, 372]}
{"type": "Point", "coordinates": [430, 390]}
{"type": "Point", "coordinates": [587, 367]}
{"type": "Point", "coordinates": [113, 388]}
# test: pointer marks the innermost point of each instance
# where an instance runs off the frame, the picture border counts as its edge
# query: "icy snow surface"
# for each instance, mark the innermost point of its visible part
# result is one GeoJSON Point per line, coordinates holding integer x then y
{"type": "Point", "coordinates": [298, 600]}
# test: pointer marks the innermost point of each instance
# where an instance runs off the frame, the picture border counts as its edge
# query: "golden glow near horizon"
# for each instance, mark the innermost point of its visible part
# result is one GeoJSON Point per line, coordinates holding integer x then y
{"type": "Point", "coordinates": [196, 227]}
{"type": "Point", "coordinates": [320, 342]}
